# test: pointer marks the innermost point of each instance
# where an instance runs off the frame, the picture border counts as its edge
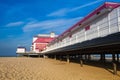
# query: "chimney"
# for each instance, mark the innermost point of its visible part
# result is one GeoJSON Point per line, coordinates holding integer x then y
{"type": "Point", "coordinates": [52, 34]}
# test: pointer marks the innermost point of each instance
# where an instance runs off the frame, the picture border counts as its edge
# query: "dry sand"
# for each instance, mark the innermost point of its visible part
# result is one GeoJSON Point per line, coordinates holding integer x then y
{"type": "Point", "coordinates": [48, 69]}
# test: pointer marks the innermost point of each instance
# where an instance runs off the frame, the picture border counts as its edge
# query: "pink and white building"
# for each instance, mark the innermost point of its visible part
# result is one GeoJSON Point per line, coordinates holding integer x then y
{"type": "Point", "coordinates": [41, 41]}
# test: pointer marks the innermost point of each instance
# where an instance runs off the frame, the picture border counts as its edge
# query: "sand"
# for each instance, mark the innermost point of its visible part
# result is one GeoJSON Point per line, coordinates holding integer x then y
{"type": "Point", "coordinates": [50, 69]}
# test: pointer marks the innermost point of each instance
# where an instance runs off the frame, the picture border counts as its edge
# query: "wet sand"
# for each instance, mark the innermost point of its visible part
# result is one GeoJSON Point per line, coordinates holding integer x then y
{"type": "Point", "coordinates": [49, 69]}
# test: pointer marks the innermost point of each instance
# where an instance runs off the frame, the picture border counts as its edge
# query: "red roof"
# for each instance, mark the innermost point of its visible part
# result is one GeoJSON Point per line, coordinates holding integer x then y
{"type": "Point", "coordinates": [43, 40]}
{"type": "Point", "coordinates": [41, 46]}
{"type": "Point", "coordinates": [105, 5]}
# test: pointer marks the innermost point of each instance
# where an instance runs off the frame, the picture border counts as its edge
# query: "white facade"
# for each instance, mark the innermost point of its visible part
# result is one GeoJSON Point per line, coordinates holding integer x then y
{"type": "Point", "coordinates": [103, 25]}
{"type": "Point", "coordinates": [21, 50]}
{"type": "Point", "coordinates": [34, 43]}
{"type": "Point", "coordinates": [34, 39]}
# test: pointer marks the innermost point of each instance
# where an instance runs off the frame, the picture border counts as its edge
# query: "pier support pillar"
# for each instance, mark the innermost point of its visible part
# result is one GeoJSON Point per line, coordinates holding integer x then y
{"type": "Point", "coordinates": [113, 57]}
{"type": "Point", "coordinates": [86, 57]}
{"type": "Point", "coordinates": [114, 68]}
{"type": "Point", "coordinates": [68, 59]}
{"type": "Point", "coordinates": [55, 57]}
{"type": "Point", "coordinates": [117, 57]}
{"type": "Point", "coordinates": [17, 55]}
{"type": "Point", "coordinates": [102, 57]}
{"type": "Point", "coordinates": [45, 56]}
{"type": "Point", "coordinates": [39, 55]}
{"type": "Point", "coordinates": [81, 61]}
{"type": "Point", "coordinates": [60, 57]}
{"type": "Point", "coordinates": [89, 57]}
{"type": "Point", "coordinates": [28, 55]}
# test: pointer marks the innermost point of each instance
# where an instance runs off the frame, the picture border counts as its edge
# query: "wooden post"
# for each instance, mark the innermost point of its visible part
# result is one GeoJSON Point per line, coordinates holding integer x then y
{"type": "Point", "coordinates": [117, 57]}
{"type": "Point", "coordinates": [45, 56]}
{"type": "Point", "coordinates": [55, 57]}
{"type": "Point", "coordinates": [114, 68]}
{"type": "Point", "coordinates": [17, 55]}
{"type": "Point", "coordinates": [85, 57]}
{"type": "Point", "coordinates": [68, 59]}
{"type": "Point", "coordinates": [89, 57]}
{"type": "Point", "coordinates": [28, 55]}
{"type": "Point", "coordinates": [39, 55]}
{"type": "Point", "coordinates": [60, 57]}
{"type": "Point", "coordinates": [104, 57]}
{"type": "Point", "coordinates": [81, 61]}
{"type": "Point", "coordinates": [113, 57]}
{"type": "Point", "coordinates": [101, 57]}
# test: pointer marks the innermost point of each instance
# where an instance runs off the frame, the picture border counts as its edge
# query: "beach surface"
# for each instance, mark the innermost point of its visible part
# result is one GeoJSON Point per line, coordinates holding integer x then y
{"type": "Point", "coordinates": [22, 68]}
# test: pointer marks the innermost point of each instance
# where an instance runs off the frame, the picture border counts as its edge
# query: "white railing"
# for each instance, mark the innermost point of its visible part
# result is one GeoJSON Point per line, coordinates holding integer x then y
{"type": "Point", "coordinates": [103, 26]}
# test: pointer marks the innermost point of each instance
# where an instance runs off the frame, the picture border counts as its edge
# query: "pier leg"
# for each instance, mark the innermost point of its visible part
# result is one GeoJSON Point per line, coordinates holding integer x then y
{"type": "Point", "coordinates": [102, 57]}
{"type": "Point", "coordinates": [28, 55]}
{"type": "Point", "coordinates": [68, 59]}
{"type": "Point", "coordinates": [60, 57]}
{"type": "Point", "coordinates": [39, 55]}
{"type": "Point", "coordinates": [85, 57]}
{"type": "Point", "coordinates": [89, 57]}
{"type": "Point", "coordinates": [117, 57]}
{"type": "Point", "coordinates": [17, 55]}
{"type": "Point", "coordinates": [55, 57]}
{"type": "Point", "coordinates": [45, 56]}
{"type": "Point", "coordinates": [81, 61]}
{"type": "Point", "coordinates": [114, 68]}
{"type": "Point", "coordinates": [113, 57]}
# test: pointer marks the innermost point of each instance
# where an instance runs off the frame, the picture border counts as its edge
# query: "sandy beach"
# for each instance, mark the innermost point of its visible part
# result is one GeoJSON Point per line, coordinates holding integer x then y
{"type": "Point", "coordinates": [50, 69]}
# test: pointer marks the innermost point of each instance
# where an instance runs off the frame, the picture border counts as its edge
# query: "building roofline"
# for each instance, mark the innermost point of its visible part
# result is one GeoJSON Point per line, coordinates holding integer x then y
{"type": "Point", "coordinates": [44, 35]}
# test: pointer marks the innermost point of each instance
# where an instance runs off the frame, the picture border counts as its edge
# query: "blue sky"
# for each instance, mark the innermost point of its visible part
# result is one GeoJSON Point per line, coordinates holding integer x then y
{"type": "Point", "coordinates": [20, 20]}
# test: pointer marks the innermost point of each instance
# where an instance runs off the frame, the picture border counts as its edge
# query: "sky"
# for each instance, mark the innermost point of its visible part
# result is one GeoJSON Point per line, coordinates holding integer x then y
{"type": "Point", "coordinates": [20, 20]}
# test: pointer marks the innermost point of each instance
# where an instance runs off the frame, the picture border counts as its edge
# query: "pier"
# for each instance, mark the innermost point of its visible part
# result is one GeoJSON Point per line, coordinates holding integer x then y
{"type": "Point", "coordinates": [96, 34]}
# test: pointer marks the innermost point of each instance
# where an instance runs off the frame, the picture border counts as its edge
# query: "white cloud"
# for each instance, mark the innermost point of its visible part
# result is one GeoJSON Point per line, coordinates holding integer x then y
{"type": "Point", "coordinates": [60, 12]}
{"type": "Point", "coordinates": [86, 5]}
{"type": "Point", "coordinates": [54, 24]}
{"type": "Point", "coordinates": [64, 11]}
{"type": "Point", "coordinates": [13, 24]}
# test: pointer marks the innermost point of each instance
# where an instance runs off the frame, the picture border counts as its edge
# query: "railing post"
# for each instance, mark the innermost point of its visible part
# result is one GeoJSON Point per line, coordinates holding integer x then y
{"type": "Point", "coordinates": [85, 36]}
{"type": "Point", "coordinates": [98, 31]}
{"type": "Point", "coordinates": [118, 16]}
{"type": "Point", "coordinates": [76, 38]}
{"type": "Point", "coordinates": [70, 40]}
{"type": "Point", "coordinates": [109, 22]}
